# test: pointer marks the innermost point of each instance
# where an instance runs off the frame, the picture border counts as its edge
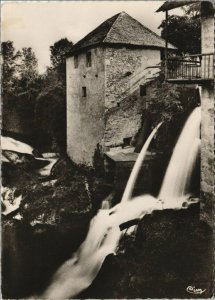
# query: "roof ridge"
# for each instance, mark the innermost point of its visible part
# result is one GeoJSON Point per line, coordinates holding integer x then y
{"type": "Point", "coordinates": [112, 26]}
{"type": "Point", "coordinates": [135, 20]}
{"type": "Point", "coordinates": [92, 31]}
{"type": "Point", "coordinates": [123, 29]}
{"type": "Point", "coordinates": [150, 30]}
{"type": "Point", "coordinates": [146, 28]}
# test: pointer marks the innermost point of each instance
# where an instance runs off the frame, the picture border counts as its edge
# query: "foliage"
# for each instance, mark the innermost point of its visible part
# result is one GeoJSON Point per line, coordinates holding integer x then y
{"type": "Point", "coordinates": [58, 55]}
{"type": "Point", "coordinates": [37, 100]}
{"type": "Point", "coordinates": [170, 103]}
{"type": "Point", "coordinates": [184, 31]}
{"type": "Point", "coordinates": [50, 114]}
{"type": "Point", "coordinates": [50, 111]}
{"type": "Point", "coordinates": [165, 100]}
{"type": "Point", "coordinates": [20, 73]}
{"type": "Point", "coordinates": [193, 10]}
{"type": "Point", "coordinates": [27, 69]}
{"type": "Point", "coordinates": [8, 66]}
{"type": "Point", "coordinates": [20, 86]}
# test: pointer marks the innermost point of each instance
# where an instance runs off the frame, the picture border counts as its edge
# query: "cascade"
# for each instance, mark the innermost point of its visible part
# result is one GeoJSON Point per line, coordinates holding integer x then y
{"type": "Point", "coordinates": [104, 233]}
{"type": "Point", "coordinates": [179, 171]}
{"type": "Point", "coordinates": [137, 166]}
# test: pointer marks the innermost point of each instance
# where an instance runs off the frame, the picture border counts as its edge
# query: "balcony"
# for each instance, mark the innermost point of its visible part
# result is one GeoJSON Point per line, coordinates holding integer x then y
{"type": "Point", "coordinates": [198, 68]}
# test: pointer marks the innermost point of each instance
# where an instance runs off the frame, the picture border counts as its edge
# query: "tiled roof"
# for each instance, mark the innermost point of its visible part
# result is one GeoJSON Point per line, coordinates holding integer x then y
{"type": "Point", "coordinates": [121, 29]}
{"type": "Point", "coordinates": [168, 5]}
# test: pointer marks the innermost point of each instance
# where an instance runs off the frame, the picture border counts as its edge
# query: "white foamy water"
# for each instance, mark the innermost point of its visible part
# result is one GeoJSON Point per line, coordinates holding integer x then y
{"type": "Point", "coordinates": [178, 175]}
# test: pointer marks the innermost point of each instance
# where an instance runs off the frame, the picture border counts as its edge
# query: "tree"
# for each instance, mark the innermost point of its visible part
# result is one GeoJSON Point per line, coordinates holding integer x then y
{"type": "Point", "coordinates": [193, 10]}
{"type": "Point", "coordinates": [27, 71]}
{"type": "Point", "coordinates": [19, 71]}
{"type": "Point", "coordinates": [8, 66]}
{"type": "Point", "coordinates": [58, 56]}
{"type": "Point", "coordinates": [50, 117]}
{"type": "Point", "coordinates": [171, 103]}
{"type": "Point", "coordinates": [50, 110]}
{"type": "Point", "coordinates": [20, 87]}
{"type": "Point", "coordinates": [184, 32]}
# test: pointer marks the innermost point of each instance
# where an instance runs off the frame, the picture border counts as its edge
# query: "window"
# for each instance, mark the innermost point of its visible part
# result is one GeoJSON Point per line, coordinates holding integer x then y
{"type": "Point", "coordinates": [84, 91]}
{"type": "Point", "coordinates": [142, 90]}
{"type": "Point", "coordinates": [162, 54]}
{"type": "Point", "coordinates": [89, 59]}
{"type": "Point", "coordinates": [127, 142]}
{"type": "Point", "coordinates": [76, 61]}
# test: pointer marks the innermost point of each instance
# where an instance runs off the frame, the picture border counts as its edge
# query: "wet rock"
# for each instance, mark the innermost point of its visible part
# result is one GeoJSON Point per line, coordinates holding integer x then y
{"type": "Point", "coordinates": [10, 201]}
{"type": "Point", "coordinates": [49, 226]}
{"type": "Point", "coordinates": [26, 161]}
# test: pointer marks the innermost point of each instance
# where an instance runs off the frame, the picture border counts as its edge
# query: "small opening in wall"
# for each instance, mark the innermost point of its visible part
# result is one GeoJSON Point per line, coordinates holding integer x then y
{"type": "Point", "coordinates": [89, 59]}
{"type": "Point", "coordinates": [84, 91]}
{"type": "Point", "coordinates": [162, 54]}
{"type": "Point", "coordinates": [84, 76]}
{"type": "Point", "coordinates": [96, 75]}
{"type": "Point", "coordinates": [76, 61]}
{"type": "Point", "coordinates": [127, 142]}
{"type": "Point", "coordinates": [128, 73]}
{"type": "Point", "coordinates": [118, 104]}
{"type": "Point", "coordinates": [142, 90]}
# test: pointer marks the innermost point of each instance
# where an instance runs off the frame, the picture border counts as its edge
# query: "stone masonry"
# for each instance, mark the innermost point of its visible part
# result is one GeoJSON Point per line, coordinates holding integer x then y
{"type": "Point", "coordinates": [104, 102]}
{"type": "Point", "coordinates": [124, 73]}
{"type": "Point", "coordinates": [207, 127]}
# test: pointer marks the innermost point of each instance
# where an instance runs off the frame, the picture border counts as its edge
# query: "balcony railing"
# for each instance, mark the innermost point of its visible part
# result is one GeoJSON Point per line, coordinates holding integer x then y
{"type": "Point", "coordinates": [199, 67]}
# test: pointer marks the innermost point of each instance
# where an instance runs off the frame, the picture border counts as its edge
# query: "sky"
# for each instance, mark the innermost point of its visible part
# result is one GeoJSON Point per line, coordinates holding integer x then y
{"type": "Point", "coordinates": [39, 24]}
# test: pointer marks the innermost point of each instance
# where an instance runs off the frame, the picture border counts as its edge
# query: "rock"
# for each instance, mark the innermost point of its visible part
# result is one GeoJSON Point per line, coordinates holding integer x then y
{"type": "Point", "coordinates": [13, 145]}
{"type": "Point", "coordinates": [23, 160]}
{"type": "Point", "coordinates": [9, 200]}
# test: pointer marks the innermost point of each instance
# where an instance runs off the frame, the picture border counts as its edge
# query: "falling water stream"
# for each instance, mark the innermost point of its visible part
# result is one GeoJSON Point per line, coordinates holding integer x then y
{"type": "Point", "coordinates": [178, 175]}
{"type": "Point", "coordinates": [104, 233]}
{"type": "Point", "coordinates": [137, 166]}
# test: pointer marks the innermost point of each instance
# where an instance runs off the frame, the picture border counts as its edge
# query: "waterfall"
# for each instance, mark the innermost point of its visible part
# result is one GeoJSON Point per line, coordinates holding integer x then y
{"type": "Point", "coordinates": [103, 237]}
{"type": "Point", "coordinates": [137, 166]}
{"type": "Point", "coordinates": [177, 178]}
{"type": "Point", "coordinates": [104, 233]}
{"type": "Point", "coordinates": [76, 274]}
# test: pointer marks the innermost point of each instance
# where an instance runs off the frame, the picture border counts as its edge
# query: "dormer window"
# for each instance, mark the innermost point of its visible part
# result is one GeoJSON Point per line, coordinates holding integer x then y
{"type": "Point", "coordinates": [76, 61]}
{"type": "Point", "coordinates": [88, 59]}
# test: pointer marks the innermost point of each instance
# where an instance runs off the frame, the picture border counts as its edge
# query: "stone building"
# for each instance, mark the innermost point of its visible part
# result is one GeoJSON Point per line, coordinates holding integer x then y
{"type": "Point", "coordinates": [199, 69]}
{"type": "Point", "coordinates": [106, 73]}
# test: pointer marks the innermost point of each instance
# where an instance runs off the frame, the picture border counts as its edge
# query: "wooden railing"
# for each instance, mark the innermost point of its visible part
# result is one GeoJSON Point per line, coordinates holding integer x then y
{"type": "Point", "coordinates": [192, 67]}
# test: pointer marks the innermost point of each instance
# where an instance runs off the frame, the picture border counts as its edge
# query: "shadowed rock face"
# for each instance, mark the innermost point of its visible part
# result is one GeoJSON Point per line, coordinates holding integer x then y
{"type": "Point", "coordinates": [31, 254]}
{"type": "Point", "coordinates": [54, 216]}
{"type": "Point", "coordinates": [26, 161]}
{"type": "Point", "coordinates": [55, 212]}
{"type": "Point", "coordinates": [171, 251]}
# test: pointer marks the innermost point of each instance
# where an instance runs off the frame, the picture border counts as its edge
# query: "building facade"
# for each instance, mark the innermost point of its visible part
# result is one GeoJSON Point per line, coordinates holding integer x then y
{"type": "Point", "coordinates": [106, 73]}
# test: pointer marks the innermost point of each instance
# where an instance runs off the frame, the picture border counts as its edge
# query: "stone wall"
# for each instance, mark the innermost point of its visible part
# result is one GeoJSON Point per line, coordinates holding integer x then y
{"type": "Point", "coordinates": [207, 152]}
{"type": "Point", "coordinates": [85, 121]}
{"type": "Point", "coordinates": [207, 127]}
{"type": "Point", "coordinates": [125, 71]}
